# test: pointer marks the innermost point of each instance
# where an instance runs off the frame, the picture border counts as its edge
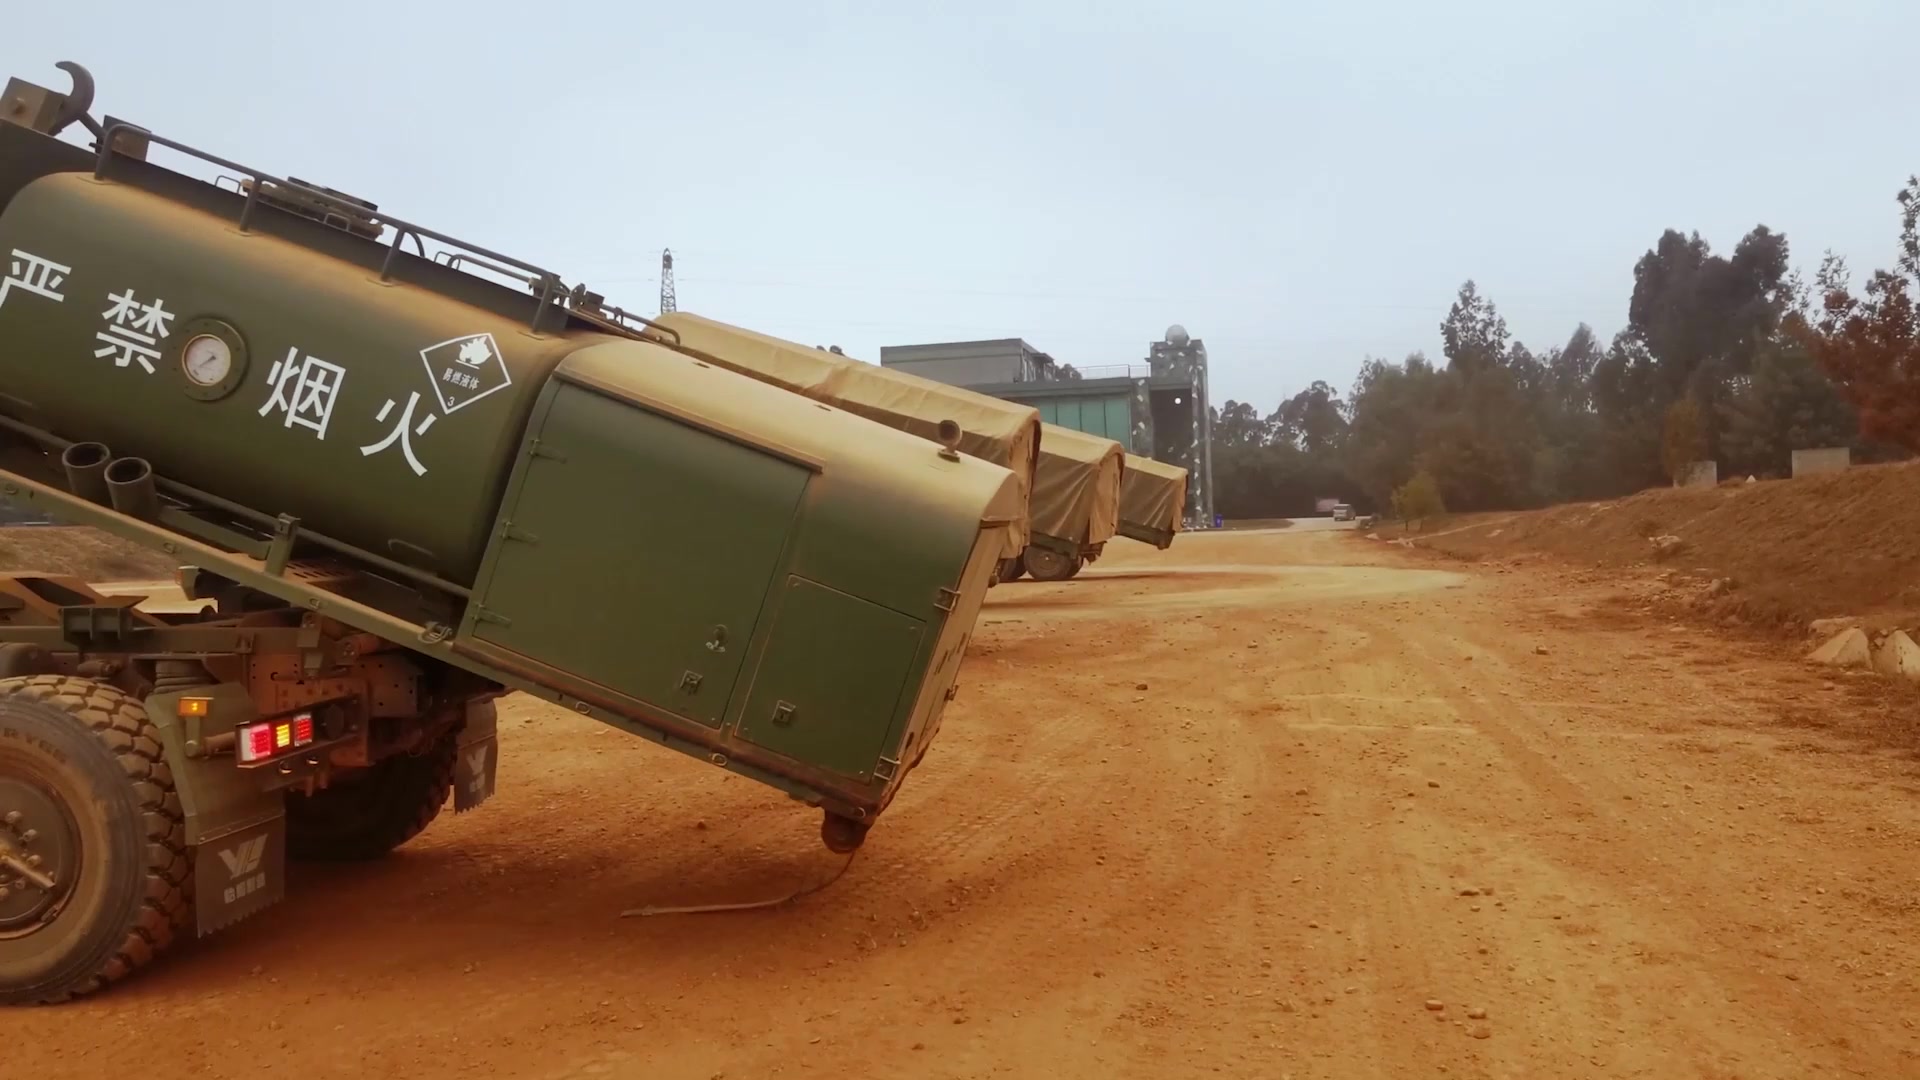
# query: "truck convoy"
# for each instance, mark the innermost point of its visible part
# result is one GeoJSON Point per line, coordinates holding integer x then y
{"type": "Point", "coordinates": [411, 475]}
{"type": "Point", "coordinates": [1080, 489]}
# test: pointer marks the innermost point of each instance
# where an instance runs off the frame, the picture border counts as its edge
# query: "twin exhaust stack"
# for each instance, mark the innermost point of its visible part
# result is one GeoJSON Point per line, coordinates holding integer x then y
{"type": "Point", "coordinates": [126, 484]}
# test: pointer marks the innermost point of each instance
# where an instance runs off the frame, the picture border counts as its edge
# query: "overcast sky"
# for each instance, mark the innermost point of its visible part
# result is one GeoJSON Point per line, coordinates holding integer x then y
{"type": "Point", "coordinates": [1299, 185]}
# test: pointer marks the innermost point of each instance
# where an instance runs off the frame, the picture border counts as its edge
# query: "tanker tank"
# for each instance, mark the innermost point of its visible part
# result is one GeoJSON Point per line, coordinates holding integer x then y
{"type": "Point", "coordinates": [409, 483]}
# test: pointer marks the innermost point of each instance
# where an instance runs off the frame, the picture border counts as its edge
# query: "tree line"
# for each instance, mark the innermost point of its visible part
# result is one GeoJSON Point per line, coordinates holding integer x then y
{"type": "Point", "coordinates": [1730, 358]}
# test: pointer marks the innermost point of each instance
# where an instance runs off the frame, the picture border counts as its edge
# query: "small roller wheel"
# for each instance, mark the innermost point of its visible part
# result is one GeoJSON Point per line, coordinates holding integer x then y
{"type": "Point", "coordinates": [367, 815]}
{"type": "Point", "coordinates": [95, 872]}
{"type": "Point", "coordinates": [843, 835]}
{"type": "Point", "coordinates": [1046, 564]}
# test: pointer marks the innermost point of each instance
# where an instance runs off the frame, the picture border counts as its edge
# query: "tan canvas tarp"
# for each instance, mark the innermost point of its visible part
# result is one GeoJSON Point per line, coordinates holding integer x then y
{"type": "Point", "coordinates": [1003, 432]}
{"type": "Point", "coordinates": [1076, 489]}
{"type": "Point", "coordinates": [1152, 495]}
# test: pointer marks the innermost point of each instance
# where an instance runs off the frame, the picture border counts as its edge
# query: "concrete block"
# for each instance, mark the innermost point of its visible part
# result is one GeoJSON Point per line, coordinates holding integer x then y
{"type": "Point", "coordinates": [1822, 460]}
{"type": "Point", "coordinates": [1698, 474]}
{"type": "Point", "coordinates": [1898, 656]}
{"type": "Point", "coordinates": [1849, 648]}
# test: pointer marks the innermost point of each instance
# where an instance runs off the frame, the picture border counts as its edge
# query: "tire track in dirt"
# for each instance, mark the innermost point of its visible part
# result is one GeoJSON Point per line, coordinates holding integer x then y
{"type": "Point", "coordinates": [1636, 909]}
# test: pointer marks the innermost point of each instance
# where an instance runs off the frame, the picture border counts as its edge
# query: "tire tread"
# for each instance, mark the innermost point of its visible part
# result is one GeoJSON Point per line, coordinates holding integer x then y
{"type": "Point", "coordinates": [118, 722]}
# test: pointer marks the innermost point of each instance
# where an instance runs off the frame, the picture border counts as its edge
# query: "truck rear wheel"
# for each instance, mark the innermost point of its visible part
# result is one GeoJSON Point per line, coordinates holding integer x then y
{"type": "Point", "coordinates": [1046, 564]}
{"type": "Point", "coordinates": [367, 815]}
{"type": "Point", "coordinates": [1011, 569]}
{"type": "Point", "coordinates": [94, 866]}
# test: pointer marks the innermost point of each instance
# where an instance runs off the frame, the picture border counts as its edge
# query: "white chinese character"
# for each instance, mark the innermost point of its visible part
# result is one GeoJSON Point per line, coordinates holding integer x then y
{"type": "Point", "coordinates": [305, 388]}
{"type": "Point", "coordinates": [135, 329]}
{"type": "Point", "coordinates": [400, 432]}
{"type": "Point", "coordinates": [31, 273]}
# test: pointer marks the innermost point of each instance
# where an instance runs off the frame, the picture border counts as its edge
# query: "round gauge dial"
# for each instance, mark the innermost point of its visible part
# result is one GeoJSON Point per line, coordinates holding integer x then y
{"type": "Point", "coordinates": [206, 360]}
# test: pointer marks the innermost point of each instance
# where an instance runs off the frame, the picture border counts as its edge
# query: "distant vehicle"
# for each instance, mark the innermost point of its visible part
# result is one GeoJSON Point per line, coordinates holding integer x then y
{"type": "Point", "coordinates": [1342, 512]}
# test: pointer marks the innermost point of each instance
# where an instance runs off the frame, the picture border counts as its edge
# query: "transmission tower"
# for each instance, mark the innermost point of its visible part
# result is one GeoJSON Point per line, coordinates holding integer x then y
{"type": "Point", "coordinates": [666, 281]}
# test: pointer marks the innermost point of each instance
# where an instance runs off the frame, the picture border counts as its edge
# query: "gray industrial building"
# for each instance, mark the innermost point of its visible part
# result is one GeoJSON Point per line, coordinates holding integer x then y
{"type": "Point", "coordinates": [1157, 409]}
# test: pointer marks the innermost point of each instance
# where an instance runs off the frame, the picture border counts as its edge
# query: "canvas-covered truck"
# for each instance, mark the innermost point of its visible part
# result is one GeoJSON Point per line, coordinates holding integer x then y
{"type": "Point", "coordinates": [1076, 504]}
{"type": "Point", "coordinates": [1152, 496]}
{"type": "Point", "coordinates": [1072, 480]}
{"type": "Point", "coordinates": [408, 488]}
{"type": "Point", "coordinates": [1003, 432]}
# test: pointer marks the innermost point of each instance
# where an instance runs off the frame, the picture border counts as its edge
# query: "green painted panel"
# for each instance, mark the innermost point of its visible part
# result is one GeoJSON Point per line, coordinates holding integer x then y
{"type": "Point", "coordinates": [830, 687]}
{"type": "Point", "coordinates": [1119, 420]}
{"type": "Point", "coordinates": [1109, 416]}
{"type": "Point", "coordinates": [648, 550]}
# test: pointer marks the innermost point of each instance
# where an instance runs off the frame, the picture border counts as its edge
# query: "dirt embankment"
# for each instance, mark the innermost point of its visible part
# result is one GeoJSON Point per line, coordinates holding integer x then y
{"type": "Point", "coordinates": [78, 552]}
{"type": "Point", "coordinates": [1779, 553]}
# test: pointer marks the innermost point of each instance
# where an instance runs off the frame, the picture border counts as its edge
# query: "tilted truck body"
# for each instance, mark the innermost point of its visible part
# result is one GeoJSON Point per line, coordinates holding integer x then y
{"type": "Point", "coordinates": [409, 490]}
{"type": "Point", "coordinates": [1076, 503]}
{"type": "Point", "coordinates": [1003, 432]}
{"type": "Point", "coordinates": [1153, 494]}
{"type": "Point", "coordinates": [1071, 480]}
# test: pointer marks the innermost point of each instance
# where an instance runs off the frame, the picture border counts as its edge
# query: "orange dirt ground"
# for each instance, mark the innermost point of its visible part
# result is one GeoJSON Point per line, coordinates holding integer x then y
{"type": "Point", "coordinates": [1265, 805]}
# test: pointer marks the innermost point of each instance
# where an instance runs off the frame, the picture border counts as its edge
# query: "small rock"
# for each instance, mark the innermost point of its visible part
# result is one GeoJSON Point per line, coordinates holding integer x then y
{"type": "Point", "coordinates": [1469, 891]}
{"type": "Point", "coordinates": [1822, 629]}
{"type": "Point", "coordinates": [1480, 1031]}
{"type": "Point", "coordinates": [701, 824]}
{"type": "Point", "coordinates": [1476, 1013]}
{"type": "Point", "coordinates": [1139, 686]}
{"type": "Point", "coordinates": [1666, 546]}
{"type": "Point", "coordinates": [1539, 650]}
{"type": "Point", "coordinates": [1435, 1004]}
{"type": "Point", "coordinates": [1433, 783]}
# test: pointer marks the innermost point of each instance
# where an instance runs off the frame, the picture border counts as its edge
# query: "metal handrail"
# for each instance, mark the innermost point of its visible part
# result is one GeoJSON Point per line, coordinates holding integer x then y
{"type": "Point", "coordinates": [549, 286]}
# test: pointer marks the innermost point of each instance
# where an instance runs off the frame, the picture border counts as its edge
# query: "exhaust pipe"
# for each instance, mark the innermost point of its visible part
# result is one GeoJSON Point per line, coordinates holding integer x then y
{"type": "Point", "coordinates": [86, 465]}
{"type": "Point", "coordinates": [130, 486]}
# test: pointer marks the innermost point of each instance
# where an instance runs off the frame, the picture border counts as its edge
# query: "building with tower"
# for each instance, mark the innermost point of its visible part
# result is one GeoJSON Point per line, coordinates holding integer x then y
{"type": "Point", "coordinates": [1157, 409]}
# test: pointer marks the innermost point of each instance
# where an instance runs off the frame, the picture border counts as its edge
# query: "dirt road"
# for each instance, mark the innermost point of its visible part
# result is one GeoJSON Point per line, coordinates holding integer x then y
{"type": "Point", "coordinates": [1262, 806]}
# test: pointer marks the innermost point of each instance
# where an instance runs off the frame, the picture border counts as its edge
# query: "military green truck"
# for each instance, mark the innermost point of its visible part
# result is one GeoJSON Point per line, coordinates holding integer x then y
{"type": "Point", "coordinates": [1152, 496]}
{"type": "Point", "coordinates": [411, 475]}
{"type": "Point", "coordinates": [1072, 480]}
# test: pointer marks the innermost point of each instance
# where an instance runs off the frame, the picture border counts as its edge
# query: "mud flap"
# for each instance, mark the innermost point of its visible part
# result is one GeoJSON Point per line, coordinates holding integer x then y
{"type": "Point", "coordinates": [240, 873]}
{"type": "Point", "coordinates": [477, 757]}
{"type": "Point", "coordinates": [235, 821]}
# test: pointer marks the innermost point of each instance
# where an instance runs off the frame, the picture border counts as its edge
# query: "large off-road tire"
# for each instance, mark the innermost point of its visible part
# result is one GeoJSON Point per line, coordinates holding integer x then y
{"type": "Point", "coordinates": [368, 815]}
{"type": "Point", "coordinates": [1011, 569]}
{"type": "Point", "coordinates": [1046, 564]}
{"type": "Point", "coordinates": [87, 806]}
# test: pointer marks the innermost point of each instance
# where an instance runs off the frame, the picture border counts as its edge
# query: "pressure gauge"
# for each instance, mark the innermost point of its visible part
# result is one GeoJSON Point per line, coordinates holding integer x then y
{"type": "Point", "coordinates": [207, 360]}
{"type": "Point", "coordinates": [212, 358]}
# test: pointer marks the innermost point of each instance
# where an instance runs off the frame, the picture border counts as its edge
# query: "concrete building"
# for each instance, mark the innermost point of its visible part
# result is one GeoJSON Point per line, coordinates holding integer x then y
{"type": "Point", "coordinates": [1157, 409]}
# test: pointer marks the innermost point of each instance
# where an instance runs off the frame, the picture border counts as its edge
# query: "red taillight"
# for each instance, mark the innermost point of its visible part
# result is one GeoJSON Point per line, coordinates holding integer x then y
{"type": "Point", "coordinates": [263, 740]}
